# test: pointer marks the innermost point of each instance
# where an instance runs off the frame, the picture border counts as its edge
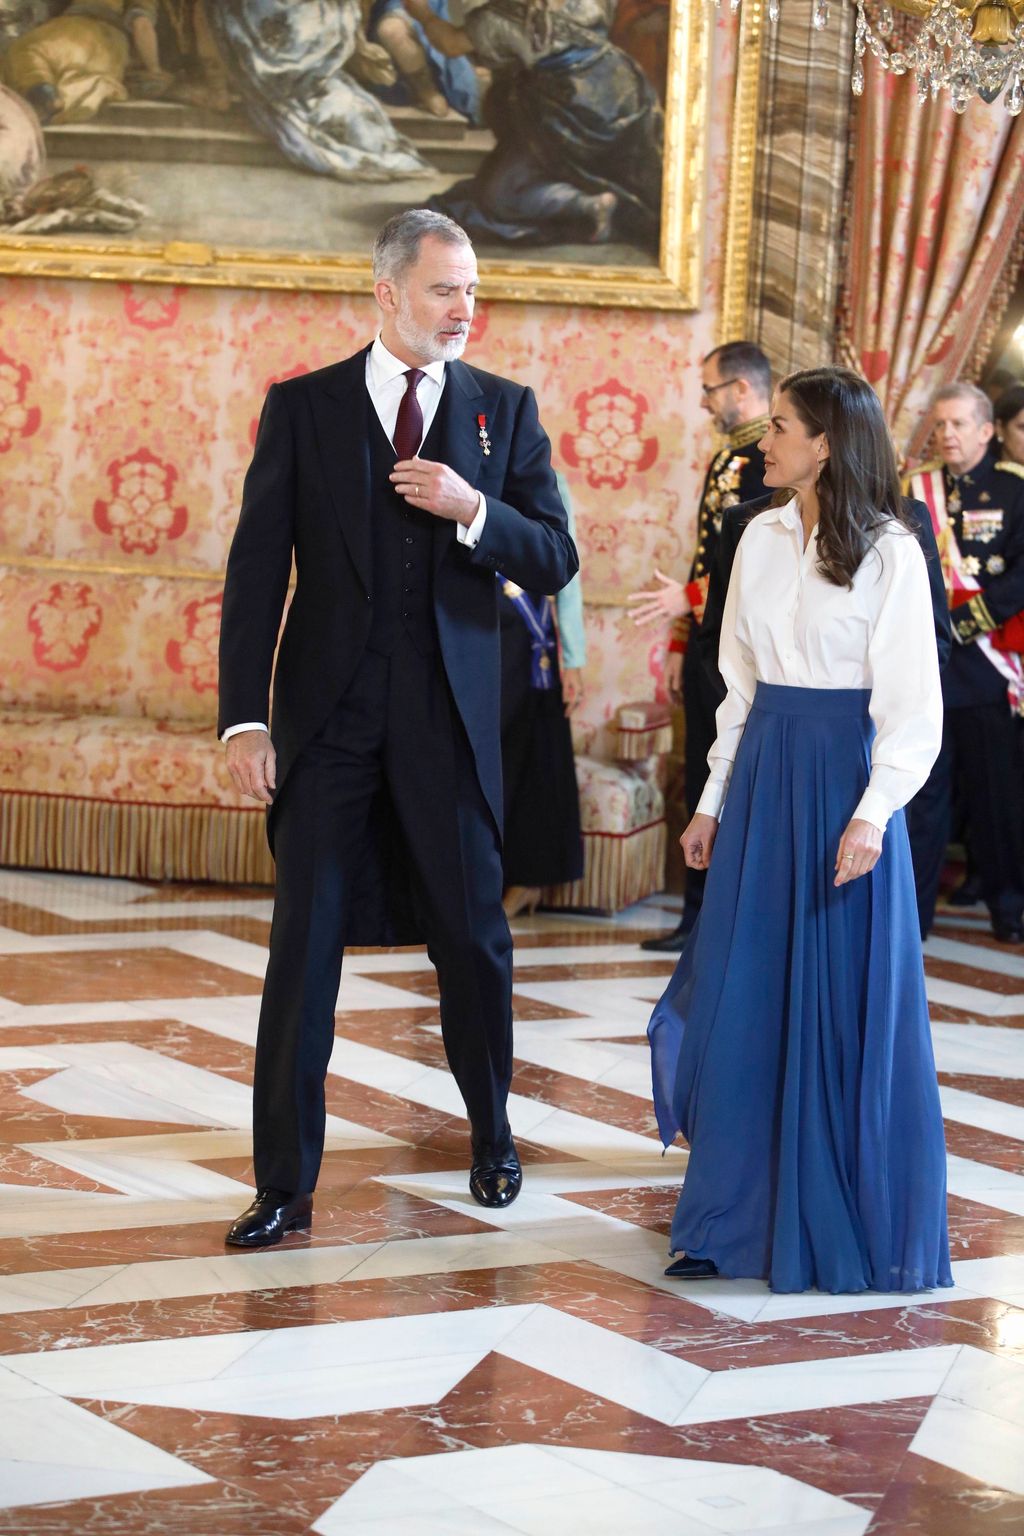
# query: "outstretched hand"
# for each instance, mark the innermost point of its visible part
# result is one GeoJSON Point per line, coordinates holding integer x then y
{"type": "Point", "coordinates": [660, 604]}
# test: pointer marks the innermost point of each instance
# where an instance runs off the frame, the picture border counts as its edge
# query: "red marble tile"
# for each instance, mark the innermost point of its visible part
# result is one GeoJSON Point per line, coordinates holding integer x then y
{"type": "Point", "coordinates": [1008, 1090]}
{"type": "Point", "coordinates": [99, 976]}
{"type": "Point", "coordinates": [979, 1231]}
{"type": "Point", "coordinates": [976, 976]}
{"type": "Point", "coordinates": [984, 1146]}
{"type": "Point", "coordinates": [925, 1499]}
{"type": "Point", "coordinates": [644, 1207]}
{"type": "Point", "coordinates": [213, 1509]}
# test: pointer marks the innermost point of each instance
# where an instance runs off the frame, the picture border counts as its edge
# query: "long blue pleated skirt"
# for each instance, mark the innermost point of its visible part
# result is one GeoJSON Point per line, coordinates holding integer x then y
{"type": "Point", "coordinates": [792, 1046]}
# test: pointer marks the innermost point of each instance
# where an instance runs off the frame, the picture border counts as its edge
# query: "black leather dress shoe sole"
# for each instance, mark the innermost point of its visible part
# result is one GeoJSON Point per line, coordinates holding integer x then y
{"type": "Point", "coordinates": [268, 1219]}
{"type": "Point", "coordinates": [692, 1269]}
{"type": "Point", "coordinates": [1008, 933]}
{"type": "Point", "coordinates": [496, 1183]}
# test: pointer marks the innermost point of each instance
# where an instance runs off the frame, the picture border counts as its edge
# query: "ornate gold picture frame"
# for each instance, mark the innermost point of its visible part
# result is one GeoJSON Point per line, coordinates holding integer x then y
{"type": "Point", "coordinates": [187, 255]}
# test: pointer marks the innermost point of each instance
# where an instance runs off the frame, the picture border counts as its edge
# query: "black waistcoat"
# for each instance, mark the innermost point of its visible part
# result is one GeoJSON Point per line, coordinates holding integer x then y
{"type": "Point", "coordinates": [402, 542]}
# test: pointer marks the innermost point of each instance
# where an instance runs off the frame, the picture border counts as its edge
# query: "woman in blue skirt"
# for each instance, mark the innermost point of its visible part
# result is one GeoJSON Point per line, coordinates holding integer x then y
{"type": "Point", "coordinates": [792, 1047]}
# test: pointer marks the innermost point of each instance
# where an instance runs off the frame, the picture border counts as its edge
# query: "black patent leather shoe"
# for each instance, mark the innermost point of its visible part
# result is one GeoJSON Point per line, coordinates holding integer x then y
{"type": "Point", "coordinates": [273, 1213]}
{"type": "Point", "coordinates": [692, 1269]}
{"type": "Point", "coordinates": [673, 942]}
{"type": "Point", "coordinates": [496, 1181]}
{"type": "Point", "coordinates": [1007, 933]}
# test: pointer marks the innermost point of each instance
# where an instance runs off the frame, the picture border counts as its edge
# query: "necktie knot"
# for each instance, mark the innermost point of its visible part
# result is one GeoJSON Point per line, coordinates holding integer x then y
{"type": "Point", "coordinates": [409, 426]}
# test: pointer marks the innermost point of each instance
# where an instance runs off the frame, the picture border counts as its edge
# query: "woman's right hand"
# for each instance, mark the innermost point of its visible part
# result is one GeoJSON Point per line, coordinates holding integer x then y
{"type": "Point", "coordinates": [698, 840]}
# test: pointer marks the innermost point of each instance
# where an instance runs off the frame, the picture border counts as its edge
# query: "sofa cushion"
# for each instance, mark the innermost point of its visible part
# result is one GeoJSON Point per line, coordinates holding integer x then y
{"type": "Point", "coordinates": [114, 758]}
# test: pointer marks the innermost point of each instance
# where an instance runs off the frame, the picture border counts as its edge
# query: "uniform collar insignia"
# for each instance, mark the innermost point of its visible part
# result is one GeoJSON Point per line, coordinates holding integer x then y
{"type": "Point", "coordinates": [748, 432]}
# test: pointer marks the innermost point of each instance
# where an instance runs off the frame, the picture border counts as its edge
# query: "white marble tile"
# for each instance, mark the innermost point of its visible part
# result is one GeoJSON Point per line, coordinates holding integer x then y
{"type": "Point", "coordinates": [79, 1211]}
{"type": "Point", "coordinates": [984, 1114]}
{"type": "Point", "coordinates": [51, 1450]}
{"type": "Point", "coordinates": [111, 1370]}
{"type": "Point", "coordinates": [979, 1445]}
{"type": "Point", "coordinates": [986, 1050]}
{"type": "Point", "coordinates": [990, 1383]}
{"type": "Point", "coordinates": [540, 1489]}
{"type": "Point", "coordinates": [751, 1499]}
{"type": "Point", "coordinates": [609, 1512]}
{"type": "Point", "coordinates": [450, 1255]}
{"type": "Point", "coordinates": [1002, 962]}
{"type": "Point", "coordinates": [973, 1000]}
{"type": "Point", "coordinates": [605, 1363]}
{"type": "Point", "coordinates": [794, 1388]}
{"type": "Point", "coordinates": [989, 1186]}
{"type": "Point", "coordinates": [363, 1387]}
{"type": "Point", "coordinates": [1001, 1277]}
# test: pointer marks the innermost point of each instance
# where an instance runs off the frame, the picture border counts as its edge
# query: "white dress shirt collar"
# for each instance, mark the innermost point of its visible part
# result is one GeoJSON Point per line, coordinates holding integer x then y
{"type": "Point", "coordinates": [385, 366]}
{"type": "Point", "coordinates": [788, 514]}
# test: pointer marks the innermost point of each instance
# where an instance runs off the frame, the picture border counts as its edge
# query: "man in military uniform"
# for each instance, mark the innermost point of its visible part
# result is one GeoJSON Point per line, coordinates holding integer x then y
{"type": "Point", "coordinates": [736, 393]}
{"type": "Point", "coordinates": [977, 507]}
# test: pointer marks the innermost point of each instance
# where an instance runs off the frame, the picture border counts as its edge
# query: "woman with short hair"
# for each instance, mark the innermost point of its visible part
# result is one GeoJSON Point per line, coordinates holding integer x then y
{"type": "Point", "coordinates": [792, 1047]}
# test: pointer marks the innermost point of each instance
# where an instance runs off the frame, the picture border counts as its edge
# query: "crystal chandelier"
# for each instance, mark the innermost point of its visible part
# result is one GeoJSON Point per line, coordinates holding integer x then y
{"type": "Point", "coordinates": [966, 47]}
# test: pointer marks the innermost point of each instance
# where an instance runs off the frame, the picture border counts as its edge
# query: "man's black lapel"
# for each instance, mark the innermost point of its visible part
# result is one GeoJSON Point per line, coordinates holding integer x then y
{"type": "Point", "coordinates": [340, 403]}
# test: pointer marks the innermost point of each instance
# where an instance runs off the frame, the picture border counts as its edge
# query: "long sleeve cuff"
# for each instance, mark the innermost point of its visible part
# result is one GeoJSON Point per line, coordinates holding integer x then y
{"type": "Point", "coordinates": [888, 789]}
{"type": "Point", "coordinates": [471, 536]}
{"type": "Point", "coordinates": [713, 797]}
{"type": "Point", "coordinates": [236, 730]}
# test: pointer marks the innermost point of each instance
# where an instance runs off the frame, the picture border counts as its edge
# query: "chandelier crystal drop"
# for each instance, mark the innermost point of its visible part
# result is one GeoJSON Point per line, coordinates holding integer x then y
{"type": "Point", "coordinates": [967, 48]}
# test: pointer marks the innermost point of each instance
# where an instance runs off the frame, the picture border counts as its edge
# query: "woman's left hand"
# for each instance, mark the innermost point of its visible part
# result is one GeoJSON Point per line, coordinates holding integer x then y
{"type": "Point", "coordinates": [860, 849]}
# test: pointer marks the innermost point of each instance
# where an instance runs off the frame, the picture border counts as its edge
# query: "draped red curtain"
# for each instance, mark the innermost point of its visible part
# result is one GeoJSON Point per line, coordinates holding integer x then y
{"type": "Point", "coordinates": [935, 241]}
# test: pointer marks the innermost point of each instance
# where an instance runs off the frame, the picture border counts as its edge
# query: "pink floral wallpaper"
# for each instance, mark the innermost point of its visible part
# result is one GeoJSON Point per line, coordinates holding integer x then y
{"type": "Point", "coordinates": [127, 417]}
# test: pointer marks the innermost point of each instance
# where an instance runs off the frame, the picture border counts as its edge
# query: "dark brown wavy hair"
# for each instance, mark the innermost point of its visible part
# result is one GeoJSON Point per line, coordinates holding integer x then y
{"type": "Point", "coordinates": [859, 489]}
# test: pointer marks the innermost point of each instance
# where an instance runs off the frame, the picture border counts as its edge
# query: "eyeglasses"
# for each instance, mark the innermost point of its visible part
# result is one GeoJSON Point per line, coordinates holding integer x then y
{"type": "Point", "coordinates": [711, 389]}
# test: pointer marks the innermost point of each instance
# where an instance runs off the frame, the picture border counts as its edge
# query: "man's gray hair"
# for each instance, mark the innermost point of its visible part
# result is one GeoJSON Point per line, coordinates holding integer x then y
{"type": "Point", "coordinates": [962, 389]}
{"type": "Point", "coordinates": [397, 246]}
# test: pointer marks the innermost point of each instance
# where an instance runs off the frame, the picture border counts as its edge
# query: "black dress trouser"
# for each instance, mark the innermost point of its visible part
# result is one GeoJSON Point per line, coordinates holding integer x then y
{"type": "Point", "coordinates": [701, 699]}
{"type": "Point", "coordinates": [979, 749]}
{"type": "Point", "coordinates": [395, 730]}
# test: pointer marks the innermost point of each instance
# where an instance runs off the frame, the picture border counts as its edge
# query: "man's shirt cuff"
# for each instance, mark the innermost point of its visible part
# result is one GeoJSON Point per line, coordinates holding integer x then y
{"type": "Point", "coordinates": [236, 730]}
{"type": "Point", "coordinates": [471, 536]}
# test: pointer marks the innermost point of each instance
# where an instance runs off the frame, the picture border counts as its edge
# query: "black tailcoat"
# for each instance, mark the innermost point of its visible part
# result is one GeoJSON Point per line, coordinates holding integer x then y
{"type": "Point", "coordinates": [307, 496]}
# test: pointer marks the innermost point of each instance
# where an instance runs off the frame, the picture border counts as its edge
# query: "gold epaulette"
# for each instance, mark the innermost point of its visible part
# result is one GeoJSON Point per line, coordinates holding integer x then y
{"type": "Point", "coordinates": [1011, 467]}
{"type": "Point", "coordinates": [921, 469]}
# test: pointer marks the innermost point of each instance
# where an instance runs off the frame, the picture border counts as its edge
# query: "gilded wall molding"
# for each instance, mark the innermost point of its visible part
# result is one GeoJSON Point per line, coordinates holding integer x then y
{"type": "Point", "coordinates": [733, 323]}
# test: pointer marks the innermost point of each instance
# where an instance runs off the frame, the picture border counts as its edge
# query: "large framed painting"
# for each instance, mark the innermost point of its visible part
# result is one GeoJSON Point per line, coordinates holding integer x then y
{"type": "Point", "coordinates": [262, 142]}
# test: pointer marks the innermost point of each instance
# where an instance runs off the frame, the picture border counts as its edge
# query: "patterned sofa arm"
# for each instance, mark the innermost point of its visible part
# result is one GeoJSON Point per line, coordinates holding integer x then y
{"type": "Point", "coordinates": [622, 815]}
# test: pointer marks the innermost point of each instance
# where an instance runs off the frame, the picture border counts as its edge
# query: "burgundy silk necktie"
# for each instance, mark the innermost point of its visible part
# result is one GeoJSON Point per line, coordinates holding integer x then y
{"type": "Point", "coordinates": [409, 426]}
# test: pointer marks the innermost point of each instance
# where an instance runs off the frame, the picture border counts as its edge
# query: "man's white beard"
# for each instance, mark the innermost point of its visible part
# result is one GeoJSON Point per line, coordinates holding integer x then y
{"type": "Point", "coordinates": [427, 344]}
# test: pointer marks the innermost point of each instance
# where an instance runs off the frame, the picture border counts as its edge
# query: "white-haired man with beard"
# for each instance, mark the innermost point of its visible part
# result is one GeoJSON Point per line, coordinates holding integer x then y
{"type": "Point", "coordinates": [401, 481]}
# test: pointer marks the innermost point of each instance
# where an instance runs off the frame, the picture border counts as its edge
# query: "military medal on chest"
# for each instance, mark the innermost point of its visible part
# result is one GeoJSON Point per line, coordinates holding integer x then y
{"type": "Point", "coordinates": [485, 442]}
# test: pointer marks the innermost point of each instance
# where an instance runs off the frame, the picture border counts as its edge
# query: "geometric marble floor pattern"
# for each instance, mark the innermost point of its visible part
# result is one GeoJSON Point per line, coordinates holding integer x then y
{"type": "Point", "coordinates": [417, 1364]}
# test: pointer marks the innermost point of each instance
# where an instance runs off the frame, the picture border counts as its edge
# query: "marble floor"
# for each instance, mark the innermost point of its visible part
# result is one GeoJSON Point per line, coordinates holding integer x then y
{"type": "Point", "coordinates": [418, 1365]}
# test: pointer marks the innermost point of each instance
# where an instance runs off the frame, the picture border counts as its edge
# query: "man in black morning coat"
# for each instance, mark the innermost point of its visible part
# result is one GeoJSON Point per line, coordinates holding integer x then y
{"type": "Point", "coordinates": [402, 481]}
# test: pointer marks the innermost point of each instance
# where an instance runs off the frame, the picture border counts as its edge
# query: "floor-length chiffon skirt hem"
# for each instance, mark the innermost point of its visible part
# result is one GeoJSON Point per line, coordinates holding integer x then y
{"type": "Point", "coordinates": [792, 1046]}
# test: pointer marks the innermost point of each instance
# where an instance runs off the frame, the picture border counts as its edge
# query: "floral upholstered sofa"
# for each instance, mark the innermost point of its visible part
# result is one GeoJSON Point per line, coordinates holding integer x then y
{"type": "Point", "coordinates": [108, 758]}
{"type": "Point", "coordinates": [109, 763]}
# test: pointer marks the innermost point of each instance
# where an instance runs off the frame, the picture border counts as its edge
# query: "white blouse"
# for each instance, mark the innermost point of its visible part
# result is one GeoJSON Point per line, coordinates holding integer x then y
{"type": "Point", "coordinates": [784, 622]}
